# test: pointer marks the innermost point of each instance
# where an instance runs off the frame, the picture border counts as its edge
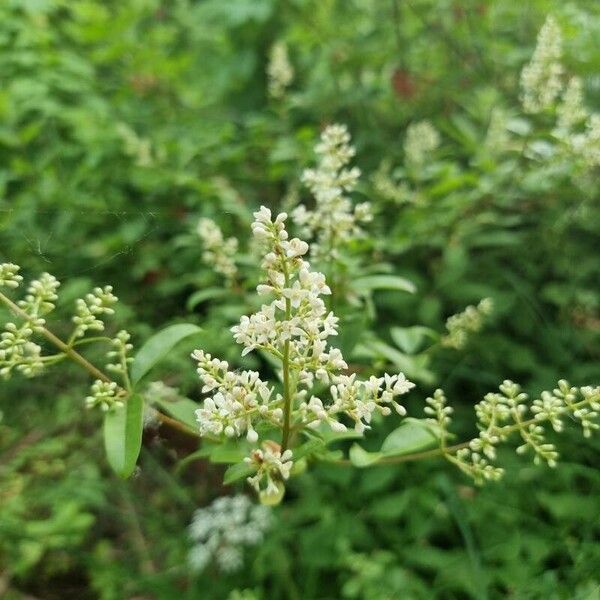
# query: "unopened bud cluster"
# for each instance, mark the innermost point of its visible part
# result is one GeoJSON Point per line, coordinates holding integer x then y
{"type": "Point", "coordinates": [19, 351]}
{"type": "Point", "coordinates": [501, 414]}
{"type": "Point", "coordinates": [91, 309]}
{"type": "Point", "coordinates": [467, 322]}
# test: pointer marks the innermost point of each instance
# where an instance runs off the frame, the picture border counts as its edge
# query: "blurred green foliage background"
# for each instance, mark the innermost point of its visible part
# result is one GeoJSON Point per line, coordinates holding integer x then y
{"type": "Point", "coordinates": [121, 123]}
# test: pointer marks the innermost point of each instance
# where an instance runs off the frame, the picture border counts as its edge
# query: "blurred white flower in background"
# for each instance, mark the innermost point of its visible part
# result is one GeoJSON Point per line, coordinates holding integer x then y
{"type": "Point", "coordinates": [222, 530]}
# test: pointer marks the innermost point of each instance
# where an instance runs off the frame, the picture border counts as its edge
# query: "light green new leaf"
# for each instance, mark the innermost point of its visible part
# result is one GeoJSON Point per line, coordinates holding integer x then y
{"type": "Point", "coordinates": [412, 436]}
{"type": "Point", "coordinates": [158, 346]}
{"type": "Point", "coordinates": [361, 458]}
{"type": "Point", "coordinates": [123, 435]}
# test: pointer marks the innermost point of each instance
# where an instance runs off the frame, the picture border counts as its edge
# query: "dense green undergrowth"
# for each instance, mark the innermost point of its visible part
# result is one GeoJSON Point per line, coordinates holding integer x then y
{"type": "Point", "coordinates": [122, 124]}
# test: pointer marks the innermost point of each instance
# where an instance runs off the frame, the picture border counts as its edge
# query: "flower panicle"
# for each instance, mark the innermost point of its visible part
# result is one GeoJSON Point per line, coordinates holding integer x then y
{"type": "Point", "coordinates": [541, 78]}
{"type": "Point", "coordinates": [294, 327]}
{"type": "Point", "coordinates": [462, 325]}
{"type": "Point", "coordinates": [334, 221]}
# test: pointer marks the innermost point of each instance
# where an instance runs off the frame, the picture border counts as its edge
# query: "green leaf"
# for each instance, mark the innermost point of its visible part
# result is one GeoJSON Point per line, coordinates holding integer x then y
{"type": "Point", "coordinates": [158, 346]}
{"type": "Point", "coordinates": [411, 339]}
{"type": "Point", "coordinates": [308, 448]}
{"type": "Point", "coordinates": [412, 436]}
{"type": "Point", "coordinates": [364, 285]}
{"type": "Point", "coordinates": [123, 435]}
{"type": "Point", "coordinates": [325, 433]}
{"type": "Point", "coordinates": [236, 472]}
{"type": "Point", "coordinates": [184, 410]}
{"type": "Point", "coordinates": [361, 458]}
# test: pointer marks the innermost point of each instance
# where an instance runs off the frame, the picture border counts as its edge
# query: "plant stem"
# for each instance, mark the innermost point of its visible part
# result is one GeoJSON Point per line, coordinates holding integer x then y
{"type": "Point", "coordinates": [287, 396]}
{"type": "Point", "coordinates": [392, 460]}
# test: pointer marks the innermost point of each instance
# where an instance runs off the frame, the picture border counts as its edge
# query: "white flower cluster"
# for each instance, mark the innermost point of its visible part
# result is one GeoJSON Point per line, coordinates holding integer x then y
{"type": "Point", "coordinates": [237, 400]}
{"type": "Point", "coordinates": [218, 251]}
{"type": "Point", "coordinates": [279, 70]}
{"type": "Point", "coordinates": [501, 414]}
{"type": "Point", "coordinates": [222, 530]}
{"type": "Point", "coordinates": [272, 466]}
{"type": "Point", "coordinates": [17, 349]}
{"type": "Point", "coordinates": [334, 221]}
{"type": "Point", "coordinates": [541, 78]}
{"type": "Point", "coordinates": [294, 328]}
{"type": "Point", "coordinates": [471, 320]}
{"type": "Point", "coordinates": [541, 81]}
{"type": "Point", "coordinates": [89, 311]}
{"type": "Point", "coordinates": [422, 138]}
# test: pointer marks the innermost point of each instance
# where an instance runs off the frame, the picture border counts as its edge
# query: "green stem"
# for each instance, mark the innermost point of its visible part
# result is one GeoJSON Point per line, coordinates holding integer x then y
{"type": "Point", "coordinates": [287, 395]}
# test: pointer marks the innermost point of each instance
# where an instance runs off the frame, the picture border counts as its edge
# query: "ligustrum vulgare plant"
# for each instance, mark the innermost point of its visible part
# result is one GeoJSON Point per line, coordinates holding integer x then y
{"type": "Point", "coordinates": [269, 429]}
